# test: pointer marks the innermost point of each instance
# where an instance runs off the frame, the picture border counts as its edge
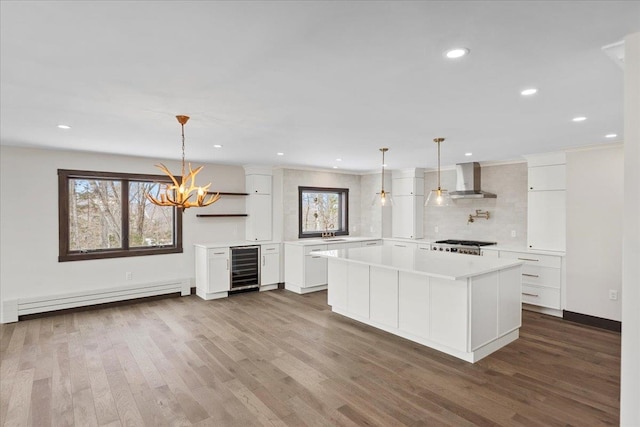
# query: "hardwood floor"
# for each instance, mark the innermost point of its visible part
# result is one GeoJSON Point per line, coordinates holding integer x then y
{"type": "Point", "coordinates": [278, 358]}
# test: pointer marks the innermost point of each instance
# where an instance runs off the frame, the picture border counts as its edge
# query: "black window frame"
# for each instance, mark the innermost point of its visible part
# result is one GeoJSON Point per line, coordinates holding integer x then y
{"type": "Point", "coordinates": [64, 254]}
{"type": "Point", "coordinates": [344, 211]}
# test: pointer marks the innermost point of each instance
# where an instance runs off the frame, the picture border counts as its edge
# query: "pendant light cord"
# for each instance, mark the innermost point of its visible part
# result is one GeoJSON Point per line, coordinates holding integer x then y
{"type": "Point", "coordinates": [382, 171]}
{"type": "Point", "coordinates": [438, 165]}
{"type": "Point", "coordinates": [182, 124]}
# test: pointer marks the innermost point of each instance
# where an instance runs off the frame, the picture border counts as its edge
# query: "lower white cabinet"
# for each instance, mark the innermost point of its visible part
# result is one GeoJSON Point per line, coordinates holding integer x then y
{"type": "Point", "coordinates": [546, 222]}
{"type": "Point", "coordinates": [306, 272]}
{"type": "Point", "coordinates": [269, 265]}
{"type": "Point", "coordinates": [212, 272]}
{"type": "Point", "coordinates": [542, 280]}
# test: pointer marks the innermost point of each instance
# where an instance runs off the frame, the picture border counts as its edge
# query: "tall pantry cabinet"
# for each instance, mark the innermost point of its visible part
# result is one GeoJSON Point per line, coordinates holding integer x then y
{"type": "Point", "coordinates": [546, 227]}
{"type": "Point", "coordinates": [259, 203]}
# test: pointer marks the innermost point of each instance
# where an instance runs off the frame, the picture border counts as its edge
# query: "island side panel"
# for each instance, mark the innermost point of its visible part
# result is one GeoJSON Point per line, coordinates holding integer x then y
{"type": "Point", "coordinates": [484, 309]}
{"type": "Point", "coordinates": [384, 296]}
{"type": "Point", "coordinates": [449, 313]}
{"type": "Point", "coordinates": [510, 302]}
{"type": "Point", "coordinates": [337, 277]}
{"type": "Point", "coordinates": [358, 289]}
{"type": "Point", "coordinates": [414, 305]}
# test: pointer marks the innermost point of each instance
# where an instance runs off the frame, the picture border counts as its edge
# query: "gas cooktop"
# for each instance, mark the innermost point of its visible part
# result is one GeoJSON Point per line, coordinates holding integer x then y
{"type": "Point", "coordinates": [465, 242]}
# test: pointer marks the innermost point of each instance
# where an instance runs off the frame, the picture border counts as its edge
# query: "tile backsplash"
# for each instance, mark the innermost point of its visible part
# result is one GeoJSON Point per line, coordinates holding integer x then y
{"type": "Point", "coordinates": [508, 212]}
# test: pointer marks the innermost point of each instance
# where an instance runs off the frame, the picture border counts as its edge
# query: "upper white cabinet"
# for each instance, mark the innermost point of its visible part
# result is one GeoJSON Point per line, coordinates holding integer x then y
{"type": "Point", "coordinates": [407, 186]}
{"type": "Point", "coordinates": [259, 204]}
{"type": "Point", "coordinates": [546, 222]}
{"type": "Point", "coordinates": [543, 178]}
{"type": "Point", "coordinates": [258, 184]}
{"type": "Point", "coordinates": [408, 203]}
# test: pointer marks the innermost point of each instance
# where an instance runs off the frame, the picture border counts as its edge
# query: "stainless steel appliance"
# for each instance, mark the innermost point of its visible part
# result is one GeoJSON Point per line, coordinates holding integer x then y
{"type": "Point", "coordinates": [467, 247]}
{"type": "Point", "coordinates": [245, 268]}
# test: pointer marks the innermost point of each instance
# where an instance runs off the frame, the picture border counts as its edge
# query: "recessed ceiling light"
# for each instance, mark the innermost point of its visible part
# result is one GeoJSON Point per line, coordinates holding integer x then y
{"type": "Point", "coordinates": [64, 126]}
{"type": "Point", "coordinates": [611, 135]}
{"type": "Point", "coordinates": [579, 119]}
{"type": "Point", "coordinates": [338, 160]}
{"type": "Point", "coordinates": [528, 92]}
{"type": "Point", "coordinates": [335, 167]}
{"type": "Point", "coordinates": [457, 53]}
{"type": "Point", "coordinates": [280, 154]}
{"type": "Point", "coordinates": [217, 146]}
{"type": "Point", "coordinates": [468, 154]}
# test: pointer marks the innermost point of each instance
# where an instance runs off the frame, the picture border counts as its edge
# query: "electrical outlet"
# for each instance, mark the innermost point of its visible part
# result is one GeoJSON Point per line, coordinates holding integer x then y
{"type": "Point", "coordinates": [129, 275]}
{"type": "Point", "coordinates": [435, 229]}
{"type": "Point", "coordinates": [513, 233]}
{"type": "Point", "coordinates": [613, 294]}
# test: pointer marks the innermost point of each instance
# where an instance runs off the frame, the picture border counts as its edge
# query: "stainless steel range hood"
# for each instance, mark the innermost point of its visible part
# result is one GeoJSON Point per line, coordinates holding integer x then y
{"type": "Point", "coordinates": [468, 183]}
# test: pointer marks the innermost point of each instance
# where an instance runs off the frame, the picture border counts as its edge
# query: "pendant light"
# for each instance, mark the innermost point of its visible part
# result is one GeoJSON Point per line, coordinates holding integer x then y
{"type": "Point", "coordinates": [438, 197]}
{"type": "Point", "coordinates": [179, 194]}
{"type": "Point", "coordinates": [382, 198]}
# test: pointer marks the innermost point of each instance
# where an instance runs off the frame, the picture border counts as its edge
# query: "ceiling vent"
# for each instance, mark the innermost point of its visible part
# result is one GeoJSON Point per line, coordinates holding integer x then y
{"type": "Point", "coordinates": [615, 51]}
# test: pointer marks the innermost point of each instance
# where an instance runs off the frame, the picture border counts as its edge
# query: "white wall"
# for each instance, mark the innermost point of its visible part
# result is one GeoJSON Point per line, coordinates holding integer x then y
{"type": "Point", "coordinates": [630, 374]}
{"type": "Point", "coordinates": [508, 212]}
{"type": "Point", "coordinates": [594, 231]}
{"type": "Point", "coordinates": [29, 228]}
{"type": "Point", "coordinates": [292, 178]}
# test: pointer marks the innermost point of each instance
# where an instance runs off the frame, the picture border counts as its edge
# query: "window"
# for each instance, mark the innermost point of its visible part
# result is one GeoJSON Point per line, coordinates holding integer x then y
{"type": "Point", "coordinates": [106, 215]}
{"type": "Point", "coordinates": [322, 210]}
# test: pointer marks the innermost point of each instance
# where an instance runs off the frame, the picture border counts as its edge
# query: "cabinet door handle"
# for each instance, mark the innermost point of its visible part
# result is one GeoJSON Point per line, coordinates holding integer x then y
{"type": "Point", "coordinates": [530, 275]}
{"type": "Point", "coordinates": [262, 260]}
{"type": "Point", "coordinates": [370, 244]}
{"type": "Point", "coordinates": [218, 253]}
{"type": "Point", "coordinates": [530, 295]}
{"type": "Point", "coordinates": [528, 259]}
{"type": "Point", "coordinates": [400, 246]}
{"type": "Point", "coordinates": [316, 257]}
{"type": "Point", "coordinates": [270, 249]}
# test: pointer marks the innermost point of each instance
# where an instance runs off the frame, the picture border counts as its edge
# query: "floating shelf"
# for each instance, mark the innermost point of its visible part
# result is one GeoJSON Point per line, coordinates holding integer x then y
{"type": "Point", "coordinates": [227, 194]}
{"type": "Point", "coordinates": [218, 215]}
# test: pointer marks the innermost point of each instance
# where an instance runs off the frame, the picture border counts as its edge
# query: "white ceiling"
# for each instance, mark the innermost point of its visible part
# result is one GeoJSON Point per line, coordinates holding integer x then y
{"type": "Point", "coordinates": [315, 80]}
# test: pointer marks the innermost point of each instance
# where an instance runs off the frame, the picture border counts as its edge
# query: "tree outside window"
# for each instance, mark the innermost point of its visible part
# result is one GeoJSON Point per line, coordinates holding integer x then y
{"type": "Point", "coordinates": [106, 215]}
{"type": "Point", "coordinates": [322, 210]}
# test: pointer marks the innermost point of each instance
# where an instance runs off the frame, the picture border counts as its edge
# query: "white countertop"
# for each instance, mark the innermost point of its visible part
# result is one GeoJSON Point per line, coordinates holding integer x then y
{"type": "Point", "coordinates": [330, 240]}
{"type": "Point", "coordinates": [440, 265]}
{"type": "Point", "coordinates": [232, 243]}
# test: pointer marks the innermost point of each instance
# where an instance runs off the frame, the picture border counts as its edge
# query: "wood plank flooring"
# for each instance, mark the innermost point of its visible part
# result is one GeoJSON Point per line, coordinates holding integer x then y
{"type": "Point", "coordinates": [278, 358]}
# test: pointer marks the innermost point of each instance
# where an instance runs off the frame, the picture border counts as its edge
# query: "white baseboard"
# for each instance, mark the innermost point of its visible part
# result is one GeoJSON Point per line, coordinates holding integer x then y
{"type": "Point", "coordinates": [13, 309]}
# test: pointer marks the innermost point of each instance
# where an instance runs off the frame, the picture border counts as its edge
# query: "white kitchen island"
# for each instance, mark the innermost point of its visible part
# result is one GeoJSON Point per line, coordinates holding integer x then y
{"type": "Point", "coordinates": [463, 305]}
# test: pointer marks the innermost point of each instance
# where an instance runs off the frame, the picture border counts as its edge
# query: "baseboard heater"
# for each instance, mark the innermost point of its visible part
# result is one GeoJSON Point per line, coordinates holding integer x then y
{"type": "Point", "coordinates": [13, 309]}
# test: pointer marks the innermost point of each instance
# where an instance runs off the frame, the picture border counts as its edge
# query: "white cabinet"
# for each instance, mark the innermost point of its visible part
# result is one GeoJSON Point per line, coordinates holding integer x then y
{"type": "Point", "coordinates": [406, 220]}
{"type": "Point", "coordinates": [546, 222]}
{"type": "Point", "coordinates": [543, 178]}
{"type": "Point", "coordinates": [542, 280]}
{"type": "Point", "coordinates": [269, 266]}
{"type": "Point", "coordinates": [304, 271]}
{"type": "Point", "coordinates": [400, 243]}
{"type": "Point", "coordinates": [259, 204]}
{"type": "Point", "coordinates": [212, 272]}
{"type": "Point", "coordinates": [258, 184]}
{"type": "Point", "coordinates": [258, 226]}
{"type": "Point", "coordinates": [408, 186]}
{"type": "Point", "coordinates": [368, 243]}
{"type": "Point", "coordinates": [408, 204]}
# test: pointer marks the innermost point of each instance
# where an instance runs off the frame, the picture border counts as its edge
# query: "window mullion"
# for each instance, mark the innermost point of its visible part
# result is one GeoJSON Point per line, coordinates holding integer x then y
{"type": "Point", "coordinates": [125, 214]}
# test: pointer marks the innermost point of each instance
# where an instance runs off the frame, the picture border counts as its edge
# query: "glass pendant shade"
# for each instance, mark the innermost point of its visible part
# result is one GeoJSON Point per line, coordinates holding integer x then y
{"type": "Point", "coordinates": [438, 198]}
{"type": "Point", "coordinates": [382, 198]}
